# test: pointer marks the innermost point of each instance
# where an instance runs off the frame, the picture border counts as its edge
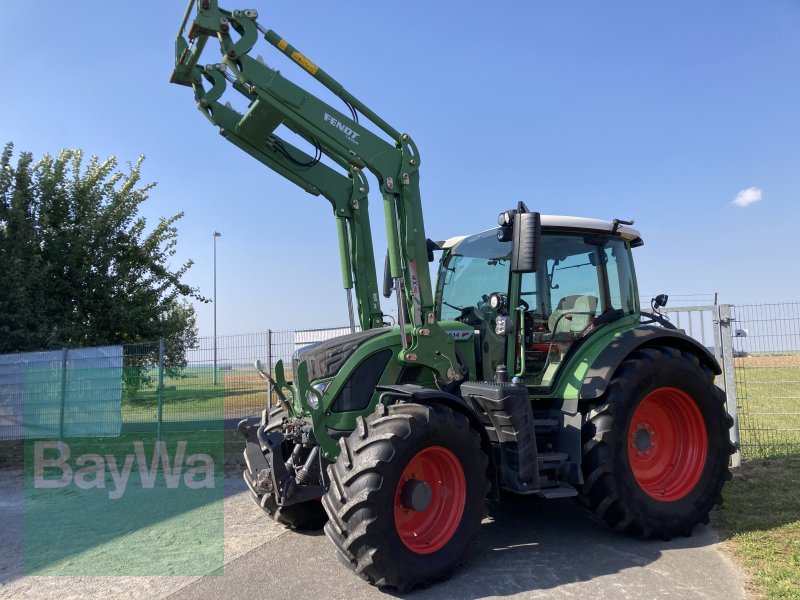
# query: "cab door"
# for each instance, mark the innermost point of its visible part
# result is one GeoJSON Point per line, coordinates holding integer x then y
{"type": "Point", "coordinates": [580, 277]}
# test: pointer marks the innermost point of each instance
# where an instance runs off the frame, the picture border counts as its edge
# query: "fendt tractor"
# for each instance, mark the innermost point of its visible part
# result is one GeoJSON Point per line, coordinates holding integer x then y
{"type": "Point", "coordinates": [527, 369]}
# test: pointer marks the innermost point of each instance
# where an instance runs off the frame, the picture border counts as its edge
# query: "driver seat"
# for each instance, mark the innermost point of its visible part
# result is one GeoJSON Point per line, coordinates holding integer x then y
{"type": "Point", "coordinates": [572, 316]}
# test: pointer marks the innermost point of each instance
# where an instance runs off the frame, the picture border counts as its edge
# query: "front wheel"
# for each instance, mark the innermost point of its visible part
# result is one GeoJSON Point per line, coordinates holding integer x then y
{"type": "Point", "coordinates": [407, 495]}
{"type": "Point", "coordinates": [656, 449]}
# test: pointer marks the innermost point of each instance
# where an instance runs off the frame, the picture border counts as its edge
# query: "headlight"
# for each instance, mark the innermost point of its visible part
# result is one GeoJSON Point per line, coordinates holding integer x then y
{"type": "Point", "coordinates": [496, 301]}
{"type": "Point", "coordinates": [506, 218]}
{"type": "Point", "coordinates": [311, 398]}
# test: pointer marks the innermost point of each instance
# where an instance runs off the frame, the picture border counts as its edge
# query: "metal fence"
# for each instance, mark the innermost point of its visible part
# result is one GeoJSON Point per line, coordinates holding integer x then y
{"type": "Point", "coordinates": [758, 347]}
{"type": "Point", "coordinates": [166, 384]}
{"type": "Point", "coordinates": [767, 369]}
{"type": "Point", "coordinates": [58, 393]}
{"type": "Point", "coordinates": [215, 379]}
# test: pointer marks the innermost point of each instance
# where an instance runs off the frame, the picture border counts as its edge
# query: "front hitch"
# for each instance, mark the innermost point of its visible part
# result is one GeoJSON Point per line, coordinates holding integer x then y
{"type": "Point", "coordinates": [268, 468]}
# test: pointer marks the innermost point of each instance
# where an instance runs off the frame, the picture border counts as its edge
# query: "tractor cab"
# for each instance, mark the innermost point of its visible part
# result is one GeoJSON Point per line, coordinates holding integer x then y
{"type": "Point", "coordinates": [532, 321]}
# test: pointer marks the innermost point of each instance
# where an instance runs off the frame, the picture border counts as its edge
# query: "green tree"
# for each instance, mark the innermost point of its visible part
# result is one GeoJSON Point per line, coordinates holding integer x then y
{"type": "Point", "coordinates": [78, 266]}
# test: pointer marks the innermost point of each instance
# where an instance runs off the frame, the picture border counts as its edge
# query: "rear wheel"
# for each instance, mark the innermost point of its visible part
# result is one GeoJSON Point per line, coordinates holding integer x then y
{"type": "Point", "coordinates": [307, 515]}
{"type": "Point", "coordinates": [655, 451]}
{"type": "Point", "coordinates": [407, 495]}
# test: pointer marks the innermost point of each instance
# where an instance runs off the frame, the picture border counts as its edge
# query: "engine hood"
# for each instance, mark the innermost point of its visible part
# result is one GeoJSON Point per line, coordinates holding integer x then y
{"type": "Point", "coordinates": [326, 358]}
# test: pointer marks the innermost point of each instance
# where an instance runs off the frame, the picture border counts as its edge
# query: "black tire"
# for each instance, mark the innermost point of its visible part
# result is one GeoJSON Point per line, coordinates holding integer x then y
{"type": "Point", "coordinates": [365, 493]}
{"type": "Point", "coordinates": [305, 516]}
{"type": "Point", "coordinates": [659, 479]}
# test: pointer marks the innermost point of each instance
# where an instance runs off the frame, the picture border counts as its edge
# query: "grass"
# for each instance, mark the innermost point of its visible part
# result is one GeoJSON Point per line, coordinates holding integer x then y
{"type": "Point", "coordinates": [194, 396]}
{"type": "Point", "coordinates": [768, 391]}
{"type": "Point", "coordinates": [760, 518]}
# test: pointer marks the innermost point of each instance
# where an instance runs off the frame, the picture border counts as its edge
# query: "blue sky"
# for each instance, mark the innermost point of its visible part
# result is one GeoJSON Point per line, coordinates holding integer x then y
{"type": "Point", "coordinates": [662, 112]}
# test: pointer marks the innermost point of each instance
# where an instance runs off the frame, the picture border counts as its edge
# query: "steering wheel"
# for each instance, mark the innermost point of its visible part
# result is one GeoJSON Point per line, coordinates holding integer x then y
{"type": "Point", "coordinates": [469, 314]}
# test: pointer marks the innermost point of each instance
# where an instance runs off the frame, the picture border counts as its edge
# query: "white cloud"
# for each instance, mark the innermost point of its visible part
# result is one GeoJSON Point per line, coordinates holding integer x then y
{"type": "Point", "coordinates": [747, 197]}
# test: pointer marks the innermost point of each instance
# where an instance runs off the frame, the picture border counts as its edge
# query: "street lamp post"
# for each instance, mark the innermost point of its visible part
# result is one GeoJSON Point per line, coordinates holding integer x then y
{"type": "Point", "coordinates": [215, 235]}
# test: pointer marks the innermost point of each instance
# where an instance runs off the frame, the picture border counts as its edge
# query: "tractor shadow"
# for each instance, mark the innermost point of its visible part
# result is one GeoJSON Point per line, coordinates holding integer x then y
{"type": "Point", "coordinates": [529, 544]}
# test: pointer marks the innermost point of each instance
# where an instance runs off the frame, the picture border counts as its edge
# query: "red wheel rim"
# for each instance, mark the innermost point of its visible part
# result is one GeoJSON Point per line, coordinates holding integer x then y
{"type": "Point", "coordinates": [667, 444]}
{"type": "Point", "coordinates": [428, 530]}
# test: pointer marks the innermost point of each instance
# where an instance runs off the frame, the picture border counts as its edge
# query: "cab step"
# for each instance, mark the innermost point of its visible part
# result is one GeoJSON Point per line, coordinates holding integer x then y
{"type": "Point", "coordinates": [564, 491]}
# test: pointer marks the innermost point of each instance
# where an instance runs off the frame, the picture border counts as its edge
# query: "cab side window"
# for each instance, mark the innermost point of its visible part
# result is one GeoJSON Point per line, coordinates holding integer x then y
{"type": "Point", "coordinates": [580, 277]}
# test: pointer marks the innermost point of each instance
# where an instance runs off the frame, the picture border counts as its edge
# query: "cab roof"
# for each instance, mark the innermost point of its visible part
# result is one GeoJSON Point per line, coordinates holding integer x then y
{"type": "Point", "coordinates": [585, 224]}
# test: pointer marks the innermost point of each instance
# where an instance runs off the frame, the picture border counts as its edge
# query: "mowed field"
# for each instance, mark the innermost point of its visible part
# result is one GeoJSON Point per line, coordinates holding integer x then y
{"type": "Point", "coordinates": [768, 392]}
{"type": "Point", "coordinates": [238, 393]}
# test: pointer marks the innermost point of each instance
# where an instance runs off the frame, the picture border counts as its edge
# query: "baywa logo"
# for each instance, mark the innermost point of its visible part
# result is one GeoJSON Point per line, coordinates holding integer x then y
{"type": "Point", "coordinates": [351, 135]}
{"type": "Point", "coordinates": [53, 468]}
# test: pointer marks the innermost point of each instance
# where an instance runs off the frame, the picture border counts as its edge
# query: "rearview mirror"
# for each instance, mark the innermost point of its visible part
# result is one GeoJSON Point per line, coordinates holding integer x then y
{"type": "Point", "coordinates": [660, 301]}
{"type": "Point", "coordinates": [526, 236]}
{"type": "Point", "coordinates": [388, 284]}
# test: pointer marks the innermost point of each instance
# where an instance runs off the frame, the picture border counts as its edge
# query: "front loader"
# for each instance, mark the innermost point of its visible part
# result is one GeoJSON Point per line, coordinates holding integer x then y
{"type": "Point", "coordinates": [528, 368]}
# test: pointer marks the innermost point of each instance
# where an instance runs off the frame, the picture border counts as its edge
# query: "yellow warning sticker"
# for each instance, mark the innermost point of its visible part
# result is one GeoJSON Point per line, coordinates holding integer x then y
{"type": "Point", "coordinates": [282, 44]}
{"type": "Point", "coordinates": [304, 62]}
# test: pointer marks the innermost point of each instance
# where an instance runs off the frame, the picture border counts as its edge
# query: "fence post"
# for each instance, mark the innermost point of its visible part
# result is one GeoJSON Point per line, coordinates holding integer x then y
{"type": "Point", "coordinates": [269, 368]}
{"type": "Point", "coordinates": [724, 324]}
{"type": "Point", "coordinates": [717, 340]}
{"type": "Point", "coordinates": [64, 354]}
{"type": "Point", "coordinates": [160, 387]}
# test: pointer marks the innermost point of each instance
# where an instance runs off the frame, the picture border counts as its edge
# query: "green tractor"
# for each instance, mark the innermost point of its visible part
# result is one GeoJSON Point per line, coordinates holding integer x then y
{"type": "Point", "coordinates": [527, 369]}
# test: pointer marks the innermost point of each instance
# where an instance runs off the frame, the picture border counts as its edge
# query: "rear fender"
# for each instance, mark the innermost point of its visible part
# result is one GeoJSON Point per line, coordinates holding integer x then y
{"type": "Point", "coordinates": [603, 367]}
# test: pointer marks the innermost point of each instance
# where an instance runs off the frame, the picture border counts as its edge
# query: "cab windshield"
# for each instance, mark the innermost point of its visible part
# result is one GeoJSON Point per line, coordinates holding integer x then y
{"type": "Point", "coordinates": [479, 267]}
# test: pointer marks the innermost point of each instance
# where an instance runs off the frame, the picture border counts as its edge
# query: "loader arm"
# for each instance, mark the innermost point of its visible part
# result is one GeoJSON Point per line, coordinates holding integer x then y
{"type": "Point", "coordinates": [274, 101]}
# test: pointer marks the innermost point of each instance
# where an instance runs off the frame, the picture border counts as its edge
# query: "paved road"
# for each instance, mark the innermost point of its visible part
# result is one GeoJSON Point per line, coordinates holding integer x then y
{"type": "Point", "coordinates": [529, 549]}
